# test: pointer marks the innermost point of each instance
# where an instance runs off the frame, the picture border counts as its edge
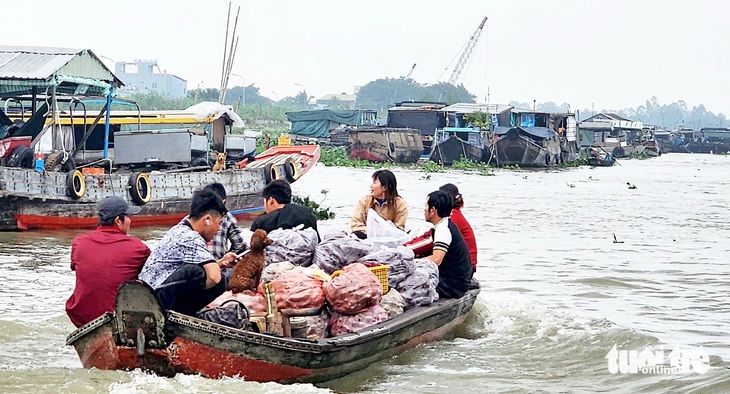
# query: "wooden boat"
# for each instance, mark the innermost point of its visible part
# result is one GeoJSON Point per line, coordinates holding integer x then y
{"type": "Point", "coordinates": [384, 144]}
{"type": "Point", "coordinates": [453, 143]}
{"type": "Point", "coordinates": [526, 147]}
{"type": "Point", "coordinates": [139, 334]}
{"type": "Point", "coordinates": [530, 138]}
{"type": "Point", "coordinates": [598, 157]}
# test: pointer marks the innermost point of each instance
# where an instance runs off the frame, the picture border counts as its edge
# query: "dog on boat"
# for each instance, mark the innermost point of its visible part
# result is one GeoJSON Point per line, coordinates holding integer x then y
{"type": "Point", "coordinates": [247, 271]}
{"type": "Point", "coordinates": [220, 161]}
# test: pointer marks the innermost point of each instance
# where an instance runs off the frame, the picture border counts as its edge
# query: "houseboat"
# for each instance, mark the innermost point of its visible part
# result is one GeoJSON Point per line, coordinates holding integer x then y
{"type": "Point", "coordinates": [424, 116]}
{"type": "Point", "coordinates": [530, 138]}
{"type": "Point", "coordinates": [617, 135]}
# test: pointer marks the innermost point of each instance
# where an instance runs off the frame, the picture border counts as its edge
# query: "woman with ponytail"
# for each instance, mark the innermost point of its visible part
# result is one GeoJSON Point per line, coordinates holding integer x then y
{"type": "Point", "coordinates": [460, 221]}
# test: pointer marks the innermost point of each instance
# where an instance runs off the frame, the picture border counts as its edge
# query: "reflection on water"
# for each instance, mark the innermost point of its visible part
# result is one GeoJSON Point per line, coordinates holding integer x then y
{"type": "Point", "coordinates": [558, 291]}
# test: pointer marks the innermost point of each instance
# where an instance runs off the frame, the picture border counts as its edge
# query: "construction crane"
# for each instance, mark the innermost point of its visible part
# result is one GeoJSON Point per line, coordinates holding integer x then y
{"type": "Point", "coordinates": [411, 71]}
{"type": "Point", "coordinates": [467, 53]}
{"type": "Point", "coordinates": [395, 93]}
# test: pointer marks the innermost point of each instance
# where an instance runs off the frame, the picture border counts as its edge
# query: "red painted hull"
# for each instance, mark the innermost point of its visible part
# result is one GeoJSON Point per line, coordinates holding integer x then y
{"type": "Point", "coordinates": [194, 346]}
{"type": "Point", "coordinates": [308, 155]}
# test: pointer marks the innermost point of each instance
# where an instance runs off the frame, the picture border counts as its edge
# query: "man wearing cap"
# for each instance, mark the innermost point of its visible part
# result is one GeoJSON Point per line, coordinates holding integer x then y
{"type": "Point", "coordinates": [103, 259]}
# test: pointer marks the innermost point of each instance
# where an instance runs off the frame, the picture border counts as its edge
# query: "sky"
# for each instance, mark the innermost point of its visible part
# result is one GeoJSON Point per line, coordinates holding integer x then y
{"type": "Point", "coordinates": [587, 53]}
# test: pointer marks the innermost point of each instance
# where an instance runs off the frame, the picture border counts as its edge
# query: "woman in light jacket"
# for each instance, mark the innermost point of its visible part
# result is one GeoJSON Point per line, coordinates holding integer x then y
{"type": "Point", "coordinates": [384, 200]}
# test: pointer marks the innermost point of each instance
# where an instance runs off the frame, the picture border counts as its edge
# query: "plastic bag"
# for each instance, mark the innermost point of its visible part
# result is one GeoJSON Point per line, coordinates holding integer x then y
{"type": "Point", "coordinates": [393, 303]}
{"type": "Point", "coordinates": [399, 261]}
{"type": "Point", "coordinates": [254, 301]}
{"type": "Point", "coordinates": [337, 250]}
{"type": "Point", "coordinates": [293, 245]}
{"type": "Point", "coordinates": [419, 288]}
{"type": "Point", "coordinates": [231, 313]}
{"type": "Point", "coordinates": [383, 232]}
{"type": "Point", "coordinates": [296, 290]}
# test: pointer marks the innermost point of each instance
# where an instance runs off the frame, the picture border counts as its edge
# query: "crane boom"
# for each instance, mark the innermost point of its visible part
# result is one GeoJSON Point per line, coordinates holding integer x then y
{"type": "Point", "coordinates": [411, 71]}
{"type": "Point", "coordinates": [467, 53]}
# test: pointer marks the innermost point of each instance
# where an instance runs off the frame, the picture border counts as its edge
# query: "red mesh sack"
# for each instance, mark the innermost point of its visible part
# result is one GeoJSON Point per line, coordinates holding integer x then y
{"type": "Point", "coordinates": [295, 290]}
{"type": "Point", "coordinates": [354, 290]}
{"type": "Point", "coordinates": [342, 324]}
{"type": "Point", "coordinates": [254, 301]}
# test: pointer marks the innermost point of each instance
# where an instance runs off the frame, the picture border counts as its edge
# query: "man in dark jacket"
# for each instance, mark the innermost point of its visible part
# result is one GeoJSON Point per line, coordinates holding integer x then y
{"type": "Point", "coordinates": [280, 212]}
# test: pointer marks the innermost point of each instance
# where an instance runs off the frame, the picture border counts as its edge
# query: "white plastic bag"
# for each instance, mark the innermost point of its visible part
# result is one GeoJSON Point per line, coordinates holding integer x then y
{"type": "Point", "coordinates": [383, 232]}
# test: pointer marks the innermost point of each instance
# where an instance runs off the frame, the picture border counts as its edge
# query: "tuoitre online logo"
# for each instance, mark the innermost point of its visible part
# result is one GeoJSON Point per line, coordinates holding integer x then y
{"type": "Point", "coordinates": [657, 361]}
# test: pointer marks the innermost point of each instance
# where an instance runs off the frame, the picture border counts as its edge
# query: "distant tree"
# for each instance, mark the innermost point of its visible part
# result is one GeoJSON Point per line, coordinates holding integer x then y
{"type": "Point", "coordinates": [382, 93]}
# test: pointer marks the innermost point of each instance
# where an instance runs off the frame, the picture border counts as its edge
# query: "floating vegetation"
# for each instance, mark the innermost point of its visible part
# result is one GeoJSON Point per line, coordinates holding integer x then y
{"type": "Point", "coordinates": [319, 212]}
{"type": "Point", "coordinates": [337, 156]}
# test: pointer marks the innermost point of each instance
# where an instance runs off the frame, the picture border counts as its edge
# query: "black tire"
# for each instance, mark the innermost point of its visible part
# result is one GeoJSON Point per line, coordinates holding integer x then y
{"type": "Point", "coordinates": [200, 161]}
{"type": "Point", "coordinates": [75, 184]}
{"type": "Point", "coordinates": [271, 173]}
{"type": "Point", "coordinates": [291, 170]}
{"type": "Point", "coordinates": [618, 152]}
{"type": "Point", "coordinates": [23, 157]}
{"type": "Point", "coordinates": [140, 188]}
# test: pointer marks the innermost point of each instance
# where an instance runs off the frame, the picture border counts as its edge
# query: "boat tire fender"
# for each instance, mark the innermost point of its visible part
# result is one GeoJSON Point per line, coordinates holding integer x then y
{"type": "Point", "coordinates": [140, 188]}
{"type": "Point", "coordinates": [21, 156]}
{"type": "Point", "coordinates": [75, 184]}
{"type": "Point", "coordinates": [618, 152]}
{"type": "Point", "coordinates": [291, 170]}
{"type": "Point", "coordinates": [271, 173]}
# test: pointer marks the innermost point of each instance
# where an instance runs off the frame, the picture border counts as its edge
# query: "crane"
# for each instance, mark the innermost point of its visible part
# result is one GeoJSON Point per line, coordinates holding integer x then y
{"type": "Point", "coordinates": [411, 71]}
{"type": "Point", "coordinates": [467, 53]}
{"type": "Point", "coordinates": [395, 93]}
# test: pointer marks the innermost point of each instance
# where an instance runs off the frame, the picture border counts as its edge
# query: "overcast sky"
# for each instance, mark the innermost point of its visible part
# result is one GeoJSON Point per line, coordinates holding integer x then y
{"type": "Point", "coordinates": [614, 54]}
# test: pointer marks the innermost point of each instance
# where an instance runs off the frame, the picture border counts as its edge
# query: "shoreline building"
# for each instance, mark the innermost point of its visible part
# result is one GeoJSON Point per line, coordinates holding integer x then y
{"type": "Point", "coordinates": [145, 76]}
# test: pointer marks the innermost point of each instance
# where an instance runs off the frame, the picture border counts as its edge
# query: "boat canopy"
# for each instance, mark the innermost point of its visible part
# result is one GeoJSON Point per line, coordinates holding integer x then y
{"type": "Point", "coordinates": [537, 132]}
{"type": "Point", "coordinates": [317, 123]}
{"type": "Point", "coordinates": [28, 70]}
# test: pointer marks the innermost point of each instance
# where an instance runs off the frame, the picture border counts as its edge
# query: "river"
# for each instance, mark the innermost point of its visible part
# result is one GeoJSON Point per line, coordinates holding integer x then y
{"type": "Point", "coordinates": [558, 292]}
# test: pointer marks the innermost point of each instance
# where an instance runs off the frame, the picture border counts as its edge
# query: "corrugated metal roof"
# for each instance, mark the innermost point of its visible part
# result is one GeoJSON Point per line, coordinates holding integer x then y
{"type": "Point", "coordinates": [41, 63]}
{"type": "Point", "coordinates": [467, 108]}
{"type": "Point", "coordinates": [33, 62]}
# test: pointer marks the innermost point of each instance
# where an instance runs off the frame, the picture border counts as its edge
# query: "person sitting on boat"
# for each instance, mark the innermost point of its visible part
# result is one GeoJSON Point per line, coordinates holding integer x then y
{"type": "Point", "coordinates": [229, 237]}
{"type": "Point", "coordinates": [450, 252]}
{"type": "Point", "coordinates": [460, 221]}
{"type": "Point", "coordinates": [103, 259]}
{"type": "Point", "coordinates": [181, 269]}
{"type": "Point", "coordinates": [384, 200]}
{"type": "Point", "coordinates": [280, 212]}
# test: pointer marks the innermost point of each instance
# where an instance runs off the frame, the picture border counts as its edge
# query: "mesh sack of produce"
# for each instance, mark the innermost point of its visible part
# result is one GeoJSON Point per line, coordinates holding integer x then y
{"type": "Point", "coordinates": [419, 288]}
{"type": "Point", "coordinates": [398, 259]}
{"type": "Point", "coordinates": [273, 270]}
{"type": "Point", "coordinates": [254, 301]}
{"type": "Point", "coordinates": [318, 325]}
{"type": "Point", "coordinates": [294, 245]}
{"type": "Point", "coordinates": [342, 324]}
{"type": "Point", "coordinates": [393, 303]}
{"type": "Point", "coordinates": [354, 290]}
{"type": "Point", "coordinates": [337, 250]}
{"type": "Point", "coordinates": [296, 290]}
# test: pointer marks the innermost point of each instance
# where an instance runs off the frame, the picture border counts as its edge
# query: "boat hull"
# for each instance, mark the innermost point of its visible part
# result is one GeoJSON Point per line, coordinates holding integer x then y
{"type": "Point", "coordinates": [452, 149]}
{"type": "Point", "coordinates": [31, 200]}
{"type": "Point", "coordinates": [214, 351]}
{"type": "Point", "coordinates": [514, 149]}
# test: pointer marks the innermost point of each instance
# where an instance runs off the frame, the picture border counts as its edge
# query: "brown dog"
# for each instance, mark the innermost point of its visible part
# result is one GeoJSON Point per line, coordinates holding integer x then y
{"type": "Point", "coordinates": [247, 272]}
{"type": "Point", "coordinates": [220, 161]}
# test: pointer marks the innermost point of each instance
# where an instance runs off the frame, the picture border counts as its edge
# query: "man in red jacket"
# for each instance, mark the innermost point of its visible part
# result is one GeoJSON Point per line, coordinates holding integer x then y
{"type": "Point", "coordinates": [103, 259]}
